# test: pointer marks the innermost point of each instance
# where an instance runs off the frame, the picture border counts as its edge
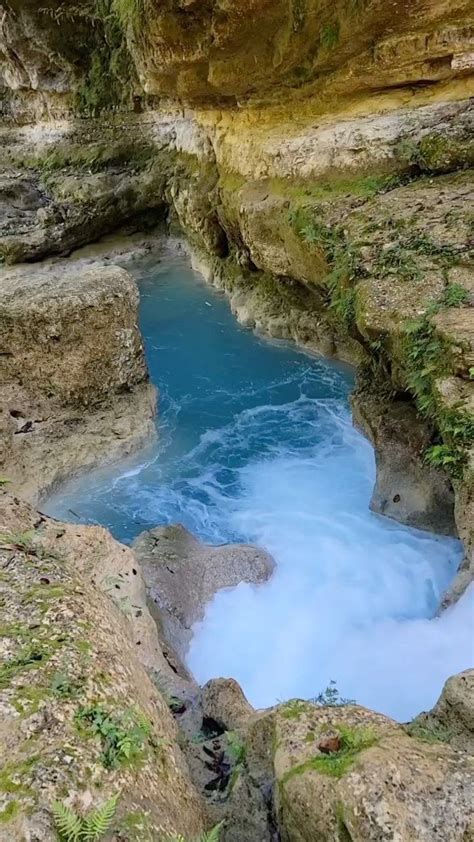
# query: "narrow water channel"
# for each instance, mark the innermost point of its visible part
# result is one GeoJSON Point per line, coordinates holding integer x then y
{"type": "Point", "coordinates": [256, 445]}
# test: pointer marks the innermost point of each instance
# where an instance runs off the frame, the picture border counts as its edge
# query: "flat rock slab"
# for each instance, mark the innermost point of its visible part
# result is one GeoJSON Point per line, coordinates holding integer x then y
{"type": "Point", "coordinates": [182, 575]}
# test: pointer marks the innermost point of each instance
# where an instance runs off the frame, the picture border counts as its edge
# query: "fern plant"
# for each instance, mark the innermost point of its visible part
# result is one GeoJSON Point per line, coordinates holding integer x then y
{"type": "Point", "coordinates": [70, 827]}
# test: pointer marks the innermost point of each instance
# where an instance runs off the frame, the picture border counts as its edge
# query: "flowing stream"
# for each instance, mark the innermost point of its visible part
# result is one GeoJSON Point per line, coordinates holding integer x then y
{"type": "Point", "coordinates": [256, 445]}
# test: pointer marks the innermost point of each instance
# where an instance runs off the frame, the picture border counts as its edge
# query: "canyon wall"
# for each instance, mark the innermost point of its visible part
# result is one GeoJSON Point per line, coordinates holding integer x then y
{"type": "Point", "coordinates": [318, 159]}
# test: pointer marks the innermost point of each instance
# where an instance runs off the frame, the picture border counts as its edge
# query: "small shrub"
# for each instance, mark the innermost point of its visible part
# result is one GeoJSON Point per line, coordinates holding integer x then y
{"type": "Point", "coordinates": [71, 827]}
{"type": "Point", "coordinates": [330, 697]}
{"type": "Point", "coordinates": [236, 747]}
{"type": "Point", "coordinates": [455, 295]}
{"type": "Point", "coordinates": [123, 735]}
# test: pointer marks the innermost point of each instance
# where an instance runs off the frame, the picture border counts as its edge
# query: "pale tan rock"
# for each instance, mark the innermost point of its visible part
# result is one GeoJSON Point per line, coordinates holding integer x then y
{"type": "Point", "coordinates": [182, 575]}
{"type": "Point", "coordinates": [74, 388]}
{"type": "Point", "coordinates": [224, 702]}
{"type": "Point", "coordinates": [396, 787]}
{"type": "Point", "coordinates": [406, 488]}
{"type": "Point", "coordinates": [60, 624]}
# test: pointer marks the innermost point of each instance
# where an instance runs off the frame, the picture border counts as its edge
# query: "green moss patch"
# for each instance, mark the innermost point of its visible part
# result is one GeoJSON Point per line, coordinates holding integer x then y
{"type": "Point", "coordinates": [336, 764]}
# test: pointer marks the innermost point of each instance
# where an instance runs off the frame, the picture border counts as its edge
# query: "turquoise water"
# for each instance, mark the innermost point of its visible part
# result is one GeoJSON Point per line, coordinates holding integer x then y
{"type": "Point", "coordinates": [256, 445]}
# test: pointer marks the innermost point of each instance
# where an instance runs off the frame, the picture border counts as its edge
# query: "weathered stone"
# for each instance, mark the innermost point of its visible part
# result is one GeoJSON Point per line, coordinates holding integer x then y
{"type": "Point", "coordinates": [453, 713]}
{"type": "Point", "coordinates": [182, 575]}
{"type": "Point", "coordinates": [224, 702]}
{"type": "Point", "coordinates": [406, 488]}
{"type": "Point", "coordinates": [76, 633]}
{"type": "Point", "coordinates": [389, 785]}
{"type": "Point", "coordinates": [73, 379]}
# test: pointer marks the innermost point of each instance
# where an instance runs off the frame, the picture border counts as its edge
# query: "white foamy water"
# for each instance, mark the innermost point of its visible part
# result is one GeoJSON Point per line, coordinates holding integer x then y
{"type": "Point", "coordinates": [256, 445]}
{"type": "Point", "coordinates": [351, 592]}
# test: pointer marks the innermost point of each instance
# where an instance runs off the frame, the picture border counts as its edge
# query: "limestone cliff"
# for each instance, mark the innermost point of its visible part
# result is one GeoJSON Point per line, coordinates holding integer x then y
{"type": "Point", "coordinates": [318, 158]}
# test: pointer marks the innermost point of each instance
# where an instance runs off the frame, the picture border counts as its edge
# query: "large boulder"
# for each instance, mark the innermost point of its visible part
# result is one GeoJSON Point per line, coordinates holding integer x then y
{"type": "Point", "coordinates": [182, 575]}
{"type": "Point", "coordinates": [74, 387]}
{"type": "Point", "coordinates": [347, 773]}
{"type": "Point", "coordinates": [453, 713]}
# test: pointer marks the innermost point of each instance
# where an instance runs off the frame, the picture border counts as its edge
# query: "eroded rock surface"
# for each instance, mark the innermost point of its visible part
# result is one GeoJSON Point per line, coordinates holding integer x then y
{"type": "Point", "coordinates": [76, 636]}
{"type": "Point", "coordinates": [406, 488]}
{"type": "Point", "coordinates": [73, 379]}
{"type": "Point", "coordinates": [379, 784]}
{"type": "Point", "coordinates": [453, 714]}
{"type": "Point", "coordinates": [182, 575]}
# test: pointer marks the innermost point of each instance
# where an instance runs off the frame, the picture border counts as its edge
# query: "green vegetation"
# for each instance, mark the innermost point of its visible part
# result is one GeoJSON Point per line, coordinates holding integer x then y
{"type": "Point", "coordinates": [10, 811]}
{"type": "Point", "coordinates": [337, 763]}
{"type": "Point", "coordinates": [63, 686]}
{"type": "Point", "coordinates": [329, 35]}
{"type": "Point", "coordinates": [429, 732]}
{"type": "Point", "coordinates": [208, 836]}
{"type": "Point", "coordinates": [455, 295]}
{"type": "Point", "coordinates": [429, 357]}
{"type": "Point", "coordinates": [130, 13]}
{"type": "Point", "coordinates": [330, 697]}
{"type": "Point", "coordinates": [342, 259]}
{"type": "Point", "coordinates": [110, 73]}
{"type": "Point", "coordinates": [294, 708]}
{"type": "Point", "coordinates": [235, 747]}
{"type": "Point", "coordinates": [123, 735]}
{"type": "Point", "coordinates": [71, 827]}
{"type": "Point", "coordinates": [18, 540]}
{"type": "Point", "coordinates": [364, 186]}
{"type": "Point", "coordinates": [436, 152]}
{"type": "Point", "coordinates": [397, 260]}
{"type": "Point", "coordinates": [30, 657]}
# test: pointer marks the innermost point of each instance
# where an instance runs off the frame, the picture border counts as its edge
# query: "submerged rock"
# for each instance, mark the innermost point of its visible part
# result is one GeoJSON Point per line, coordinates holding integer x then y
{"type": "Point", "coordinates": [182, 575]}
{"type": "Point", "coordinates": [74, 389]}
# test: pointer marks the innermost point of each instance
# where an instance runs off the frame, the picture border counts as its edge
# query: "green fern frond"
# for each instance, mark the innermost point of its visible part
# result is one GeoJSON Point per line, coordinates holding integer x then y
{"type": "Point", "coordinates": [97, 823]}
{"type": "Point", "coordinates": [212, 835]}
{"type": "Point", "coordinates": [68, 823]}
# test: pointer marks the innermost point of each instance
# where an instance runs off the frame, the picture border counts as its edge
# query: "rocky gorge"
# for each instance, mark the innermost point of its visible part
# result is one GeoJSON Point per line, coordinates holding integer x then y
{"type": "Point", "coordinates": [317, 158]}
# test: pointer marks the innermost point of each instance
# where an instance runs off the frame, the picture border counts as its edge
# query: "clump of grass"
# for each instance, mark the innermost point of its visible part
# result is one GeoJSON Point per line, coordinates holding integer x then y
{"type": "Point", "coordinates": [455, 295]}
{"type": "Point", "coordinates": [329, 35]}
{"type": "Point", "coordinates": [429, 732]}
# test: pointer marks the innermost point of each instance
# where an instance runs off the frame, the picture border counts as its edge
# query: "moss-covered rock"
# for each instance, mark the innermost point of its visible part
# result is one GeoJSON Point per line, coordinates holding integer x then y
{"type": "Point", "coordinates": [346, 773]}
{"type": "Point", "coordinates": [81, 721]}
